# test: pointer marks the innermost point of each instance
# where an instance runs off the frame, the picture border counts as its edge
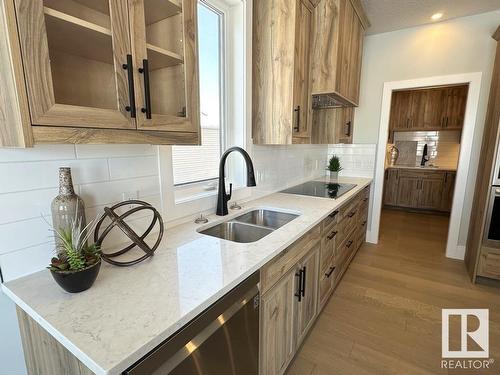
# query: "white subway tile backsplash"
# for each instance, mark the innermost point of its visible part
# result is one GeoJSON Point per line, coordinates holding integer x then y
{"type": "Point", "coordinates": [25, 205]}
{"type": "Point", "coordinates": [111, 191]}
{"type": "Point", "coordinates": [26, 261]}
{"type": "Point", "coordinates": [37, 153]}
{"type": "Point", "coordinates": [113, 151]}
{"type": "Point", "coordinates": [357, 160]}
{"type": "Point", "coordinates": [25, 233]}
{"type": "Point", "coordinates": [44, 174]}
{"type": "Point", "coordinates": [120, 168]}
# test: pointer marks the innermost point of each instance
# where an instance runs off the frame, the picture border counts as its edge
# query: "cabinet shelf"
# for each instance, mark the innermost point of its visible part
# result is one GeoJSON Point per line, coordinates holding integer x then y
{"type": "Point", "coordinates": [158, 10]}
{"type": "Point", "coordinates": [78, 37]}
{"type": "Point", "coordinates": [161, 58]}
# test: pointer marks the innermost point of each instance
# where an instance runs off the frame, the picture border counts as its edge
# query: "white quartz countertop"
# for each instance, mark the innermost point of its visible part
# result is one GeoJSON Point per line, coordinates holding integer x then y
{"type": "Point", "coordinates": [131, 310]}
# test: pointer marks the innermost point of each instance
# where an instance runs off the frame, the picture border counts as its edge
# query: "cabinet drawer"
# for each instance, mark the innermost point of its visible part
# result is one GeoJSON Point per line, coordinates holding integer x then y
{"type": "Point", "coordinates": [328, 223]}
{"type": "Point", "coordinates": [328, 242]}
{"type": "Point", "coordinates": [343, 255]}
{"type": "Point", "coordinates": [326, 284]}
{"type": "Point", "coordinates": [347, 225]}
{"type": "Point", "coordinates": [288, 258]}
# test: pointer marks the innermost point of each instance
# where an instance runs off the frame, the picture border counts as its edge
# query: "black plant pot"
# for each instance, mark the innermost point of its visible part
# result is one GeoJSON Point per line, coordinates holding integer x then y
{"type": "Point", "coordinates": [75, 282]}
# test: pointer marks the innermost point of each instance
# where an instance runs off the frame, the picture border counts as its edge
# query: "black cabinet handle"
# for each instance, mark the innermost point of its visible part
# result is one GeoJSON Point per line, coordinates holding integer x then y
{"type": "Point", "coordinates": [329, 273]}
{"type": "Point", "coordinates": [333, 214]}
{"type": "Point", "coordinates": [297, 127]}
{"type": "Point", "coordinates": [131, 91]}
{"type": "Point", "coordinates": [147, 93]}
{"type": "Point", "coordinates": [298, 294]}
{"type": "Point", "coordinates": [348, 128]}
{"type": "Point", "coordinates": [364, 200]}
{"type": "Point", "coordinates": [351, 214]}
{"type": "Point", "coordinates": [304, 281]}
{"type": "Point", "coordinates": [363, 223]}
{"type": "Point", "coordinates": [331, 235]}
{"type": "Point", "coordinates": [349, 244]}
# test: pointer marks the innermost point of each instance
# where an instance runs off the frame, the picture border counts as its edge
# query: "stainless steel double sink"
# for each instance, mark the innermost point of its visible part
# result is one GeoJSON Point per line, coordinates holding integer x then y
{"type": "Point", "coordinates": [250, 226]}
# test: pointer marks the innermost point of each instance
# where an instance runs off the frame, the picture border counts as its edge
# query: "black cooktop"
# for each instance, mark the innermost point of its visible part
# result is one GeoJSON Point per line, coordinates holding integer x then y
{"type": "Point", "coordinates": [320, 189]}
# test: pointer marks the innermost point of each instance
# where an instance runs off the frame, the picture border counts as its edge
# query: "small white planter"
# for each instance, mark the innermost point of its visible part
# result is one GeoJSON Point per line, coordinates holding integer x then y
{"type": "Point", "coordinates": [333, 175]}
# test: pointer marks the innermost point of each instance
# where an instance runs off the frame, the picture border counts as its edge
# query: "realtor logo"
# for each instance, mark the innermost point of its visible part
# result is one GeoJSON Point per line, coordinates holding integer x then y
{"type": "Point", "coordinates": [474, 333]}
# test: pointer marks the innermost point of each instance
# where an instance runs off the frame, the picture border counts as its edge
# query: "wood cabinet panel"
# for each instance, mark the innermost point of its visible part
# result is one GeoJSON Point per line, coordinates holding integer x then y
{"type": "Point", "coordinates": [277, 321]}
{"type": "Point", "coordinates": [287, 259]}
{"type": "Point", "coordinates": [408, 191]}
{"type": "Point", "coordinates": [431, 192]}
{"type": "Point", "coordinates": [307, 307]}
{"type": "Point", "coordinates": [337, 50]}
{"type": "Point", "coordinates": [301, 83]}
{"type": "Point", "coordinates": [391, 187]}
{"type": "Point", "coordinates": [167, 43]}
{"type": "Point", "coordinates": [60, 50]}
{"type": "Point", "coordinates": [448, 190]}
{"type": "Point", "coordinates": [489, 263]}
{"type": "Point", "coordinates": [281, 81]}
{"type": "Point", "coordinates": [441, 108]}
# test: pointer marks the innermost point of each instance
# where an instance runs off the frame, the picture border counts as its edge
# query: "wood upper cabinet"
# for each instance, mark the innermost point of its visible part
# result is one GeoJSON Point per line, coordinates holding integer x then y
{"type": "Point", "coordinates": [453, 113]}
{"type": "Point", "coordinates": [438, 108]}
{"type": "Point", "coordinates": [301, 81]}
{"type": "Point", "coordinates": [281, 84]}
{"type": "Point", "coordinates": [73, 56]}
{"type": "Point", "coordinates": [166, 74]}
{"type": "Point", "coordinates": [338, 32]}
{"type": "Point", "coordinates": [98, 71]}
{"type": "Point", "coordinates": [332, 125]}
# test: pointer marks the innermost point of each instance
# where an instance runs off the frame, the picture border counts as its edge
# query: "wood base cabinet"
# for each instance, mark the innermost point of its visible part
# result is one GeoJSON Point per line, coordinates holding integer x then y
{"type": "Point", "coordinates": [100, 72]}
{"type": "Point", "coordinates": [296, 285]}
{"type": "Point", "coordinates": [419, 189]}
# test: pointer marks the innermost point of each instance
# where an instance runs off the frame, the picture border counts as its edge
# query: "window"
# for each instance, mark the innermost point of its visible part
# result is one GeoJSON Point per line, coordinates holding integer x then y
{"type": "Point", "coordinates": [201, 163]}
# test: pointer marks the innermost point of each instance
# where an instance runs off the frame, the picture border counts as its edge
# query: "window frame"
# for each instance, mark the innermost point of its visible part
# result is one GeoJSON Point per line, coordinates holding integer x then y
{"type": "Point", "coordinates": [220, 10]}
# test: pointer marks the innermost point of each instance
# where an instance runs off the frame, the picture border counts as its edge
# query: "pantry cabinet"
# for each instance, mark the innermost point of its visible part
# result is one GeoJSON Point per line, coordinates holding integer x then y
{"type": "Point", "coordinates": [105, 71]}
{"type": "Point", "coordinates": [438, 108]}
{"type": "Point", "coordinates": [281, 72]}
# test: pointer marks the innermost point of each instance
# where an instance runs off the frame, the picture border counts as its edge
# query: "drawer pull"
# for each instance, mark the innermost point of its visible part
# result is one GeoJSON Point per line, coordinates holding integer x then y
{"type": "Point", "coordinates": [352, 213]}
{"type": "Point", "coordinates": [349, 244]}
{"type": "Point", "coordinates": [364, 200]}
{"type": "Point", "coordinates": [331, 235]}
{"type": "Point", "coordinates": [304, 281]}
{"type": "Point", "coordinates": [333, 214]}
{"type": "Point", "coordinates": [298, 293]}
{"type": "Point", "coordinates": [329, 273]}
{"type": "Point", "coordinates": [364, 223]}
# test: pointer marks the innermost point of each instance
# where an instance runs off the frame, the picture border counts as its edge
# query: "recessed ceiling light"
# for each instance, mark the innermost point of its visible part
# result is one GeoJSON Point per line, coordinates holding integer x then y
{"type": "Point", "coordinates": [436, 16]}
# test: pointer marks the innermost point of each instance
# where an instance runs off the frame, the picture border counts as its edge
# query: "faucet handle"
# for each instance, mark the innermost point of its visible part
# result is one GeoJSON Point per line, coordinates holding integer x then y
{"type": "Point", "coordinates": [230, 191]}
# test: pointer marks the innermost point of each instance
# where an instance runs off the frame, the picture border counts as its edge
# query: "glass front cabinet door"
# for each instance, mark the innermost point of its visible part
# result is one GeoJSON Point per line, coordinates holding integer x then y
{"type": "Point", "coordinates": [165, 50]}
{"type": "Point", "coordinates": [111, 64]}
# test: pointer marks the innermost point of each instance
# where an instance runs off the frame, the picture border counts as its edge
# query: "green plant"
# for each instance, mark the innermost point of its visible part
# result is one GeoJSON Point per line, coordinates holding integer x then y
{"type": "Point", "coordinates": [334, 164]}
{"type": "Point", "coordinates": [77, 255]}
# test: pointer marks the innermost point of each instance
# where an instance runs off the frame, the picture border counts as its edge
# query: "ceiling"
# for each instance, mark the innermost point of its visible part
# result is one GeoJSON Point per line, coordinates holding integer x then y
{"type": "Point", "coordinates": [390, 15]}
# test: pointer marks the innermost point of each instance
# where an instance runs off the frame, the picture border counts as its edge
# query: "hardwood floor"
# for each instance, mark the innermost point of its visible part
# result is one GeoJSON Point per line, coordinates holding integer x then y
{"type": "Point", "coordinates": [385, 316]}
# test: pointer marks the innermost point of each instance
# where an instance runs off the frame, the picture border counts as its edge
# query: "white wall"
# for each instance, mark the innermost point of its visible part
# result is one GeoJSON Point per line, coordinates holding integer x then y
{"type": "Point", "coordinates": [462, 45]}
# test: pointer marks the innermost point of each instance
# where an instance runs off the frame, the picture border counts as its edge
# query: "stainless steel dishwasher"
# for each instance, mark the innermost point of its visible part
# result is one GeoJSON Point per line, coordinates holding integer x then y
{"type": "Point", "coordinates": [222, 340]}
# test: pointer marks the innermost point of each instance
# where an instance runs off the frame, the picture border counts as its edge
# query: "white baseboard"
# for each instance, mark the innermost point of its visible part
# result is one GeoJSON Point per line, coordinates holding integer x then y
{"type": "Point", "coordinates": [371, 237]}
{"type": "Point", "coordinates": [457, 252]}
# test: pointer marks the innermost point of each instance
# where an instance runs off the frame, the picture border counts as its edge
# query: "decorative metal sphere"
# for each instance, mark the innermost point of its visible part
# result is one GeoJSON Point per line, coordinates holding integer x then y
{"type": "Point", "coordinates": [137, 240]}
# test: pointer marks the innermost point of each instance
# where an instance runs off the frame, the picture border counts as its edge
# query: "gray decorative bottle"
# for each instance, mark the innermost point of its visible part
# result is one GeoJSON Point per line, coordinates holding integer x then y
{"type": "Point", "coordinates": [66, 206]}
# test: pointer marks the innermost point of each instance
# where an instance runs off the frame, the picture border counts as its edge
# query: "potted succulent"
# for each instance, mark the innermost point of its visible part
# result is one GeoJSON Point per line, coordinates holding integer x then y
{"type": "Point", "coordinates": [334, 167]}
{"type": "Point", "coordinates": [77, 264]}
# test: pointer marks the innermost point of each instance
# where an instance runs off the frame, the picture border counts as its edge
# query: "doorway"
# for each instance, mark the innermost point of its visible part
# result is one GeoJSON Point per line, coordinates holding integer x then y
{"type": "Point", "coordinates": [424, 192]}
